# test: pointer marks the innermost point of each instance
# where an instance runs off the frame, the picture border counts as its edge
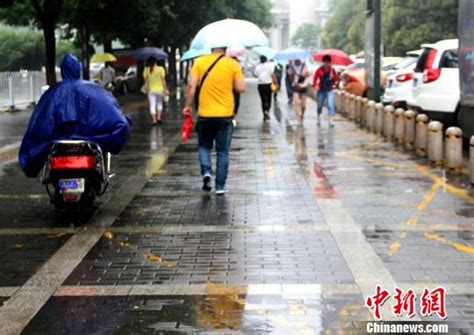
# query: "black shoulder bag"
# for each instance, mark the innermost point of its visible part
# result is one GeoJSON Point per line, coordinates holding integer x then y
{"type": "Point", "coordinates": [198, 88]}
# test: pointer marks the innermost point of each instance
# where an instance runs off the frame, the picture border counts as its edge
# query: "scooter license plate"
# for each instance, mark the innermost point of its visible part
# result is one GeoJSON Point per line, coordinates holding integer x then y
{"type": "Point", "coordinates": [75, 185]}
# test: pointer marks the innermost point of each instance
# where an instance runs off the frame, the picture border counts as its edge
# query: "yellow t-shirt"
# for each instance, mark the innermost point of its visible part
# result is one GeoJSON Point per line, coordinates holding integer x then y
{"type": "Point", "coordinates": [216, 98]}
{"type": "Point", "coordinates": [155, 84]}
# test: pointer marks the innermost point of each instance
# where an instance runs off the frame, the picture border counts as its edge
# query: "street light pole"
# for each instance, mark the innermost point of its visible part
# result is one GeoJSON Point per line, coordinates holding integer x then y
{"type": "Point", "coordinates": [377, 48]}
{"type": "Point", "coordinates": [373, 43]}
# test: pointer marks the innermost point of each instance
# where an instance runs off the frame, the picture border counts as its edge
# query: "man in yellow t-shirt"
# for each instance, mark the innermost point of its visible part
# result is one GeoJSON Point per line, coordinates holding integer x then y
{"type": "Point", "coordinates": [215, 111]}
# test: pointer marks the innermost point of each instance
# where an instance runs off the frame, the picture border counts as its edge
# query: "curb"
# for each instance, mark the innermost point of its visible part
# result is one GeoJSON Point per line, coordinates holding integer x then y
{"type": "Point", "coordinates": [9, 152]}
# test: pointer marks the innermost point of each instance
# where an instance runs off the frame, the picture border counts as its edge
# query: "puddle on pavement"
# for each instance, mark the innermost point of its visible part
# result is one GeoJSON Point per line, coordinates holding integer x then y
{"type": "Point", "coordinates": [467, 212]}
{"type": "Point", "coordinates": [197, 313]}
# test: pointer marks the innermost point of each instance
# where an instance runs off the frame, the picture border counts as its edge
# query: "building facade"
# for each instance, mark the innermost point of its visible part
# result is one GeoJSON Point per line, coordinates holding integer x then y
{"type": "Point", "coordinates": [290, 14]}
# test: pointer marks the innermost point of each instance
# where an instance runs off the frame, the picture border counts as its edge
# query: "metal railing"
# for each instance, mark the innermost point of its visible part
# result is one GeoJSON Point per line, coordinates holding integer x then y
{"type": "Point", "coordinates": [20, 88]}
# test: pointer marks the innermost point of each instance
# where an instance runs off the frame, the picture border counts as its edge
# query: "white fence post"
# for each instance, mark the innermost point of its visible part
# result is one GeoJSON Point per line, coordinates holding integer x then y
{"type": "Point", "coordinates": [32, 86]}
{"type": "Point", "coordinates": [10, 91]}
{"type": "Point", "coordinates": [18, 89]}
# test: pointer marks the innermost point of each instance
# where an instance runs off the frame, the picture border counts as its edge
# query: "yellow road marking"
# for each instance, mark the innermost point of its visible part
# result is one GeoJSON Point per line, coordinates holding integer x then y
{"type": "Point", "coordinates": [57, 235]}
{"type": "Point", "coordinates": [438, 182]}
{"type": "Point", "coordinates": [412, 221]}
{"type": "Point", "coordinates": [458, 246]}
{"type": "Point", "coordinates": [150, 256]}
{"type": "Point", "coordinates": [428, 197]}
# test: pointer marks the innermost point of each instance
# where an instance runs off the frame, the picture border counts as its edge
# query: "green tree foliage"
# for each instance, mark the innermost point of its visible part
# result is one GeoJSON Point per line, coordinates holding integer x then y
{"type": "Point", "coordinates": [306, 36]}
{"type": "Point", "coordinates": [64, 47]}
{"type": "Point", "coordinates": [42, 13]}
{"type": "Point", "coordinates": [409, 23]}
{"type": "Point", "coordinates": [256, 11]}
{"type": "Point", "coordinates": [23, 48]}
{"type": "Point", "coordinates": [345, 29]}
{"type": "Point", "coordinates": [163, 23]}
{"type": "Point", "coordinates": [405, 24]}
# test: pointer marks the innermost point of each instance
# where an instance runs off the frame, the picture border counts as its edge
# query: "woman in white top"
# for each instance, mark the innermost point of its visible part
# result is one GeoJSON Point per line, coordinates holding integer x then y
{"type": "Point", "coordinates": [265, 74]}
{"type": "Point", "coordinates": [107, 74]}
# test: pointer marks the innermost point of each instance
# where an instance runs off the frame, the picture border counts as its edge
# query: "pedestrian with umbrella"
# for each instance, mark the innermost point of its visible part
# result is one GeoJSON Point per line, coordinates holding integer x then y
{"type": "Point", "coordinates": [155, 87]}
{"type": "Point", "coordinates": [338, 57]}
{"type": "Point", "coordinates": [106, 74]}
{"type": "Point", "coordinates": [298, 72]}
{"type": "Point", "coordinates": [154, 76]}
{"type": "Point", "coordinates": [324, 80]}
{"type": "Point", "coordinates": [213, 79]}
{"type": "Point", "coordinates": [289, 82]}
{"type": "Point", "coordinates": [265, 72]}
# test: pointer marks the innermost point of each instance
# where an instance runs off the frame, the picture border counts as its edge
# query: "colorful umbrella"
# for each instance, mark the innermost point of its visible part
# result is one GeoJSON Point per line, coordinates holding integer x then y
{"type": "Point", "coordinates": [292, 54]}
{"type": "Point", "coordinates": [103, 57]}
{"type": "Point", "coordinates": [263, 50]}
{"type": "Point", "coordinates": [338, 57]}
{"type": "Point", "coordinates": [229, 33]}
{"type": "Point", "coordinates": [148, 52]}
{"type": "Point", "coordinates": [193, 53]}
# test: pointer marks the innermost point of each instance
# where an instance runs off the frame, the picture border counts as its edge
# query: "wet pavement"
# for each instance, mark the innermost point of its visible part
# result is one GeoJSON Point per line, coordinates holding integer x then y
{"type": "Point", "coordinates": [315, 219]}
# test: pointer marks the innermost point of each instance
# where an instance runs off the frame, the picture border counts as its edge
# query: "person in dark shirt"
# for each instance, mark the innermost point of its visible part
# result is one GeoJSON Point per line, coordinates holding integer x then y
{"type": "Point", "coordinates": [289, 82]}
{"type": "Point", "coordinates": [278, 74]}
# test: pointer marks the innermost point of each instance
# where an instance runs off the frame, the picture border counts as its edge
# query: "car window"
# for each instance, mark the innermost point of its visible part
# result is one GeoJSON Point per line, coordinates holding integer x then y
{"type": "Point", "coordinates": [420, 65]}
{"type": "Point", "coordinates": [449, 59]}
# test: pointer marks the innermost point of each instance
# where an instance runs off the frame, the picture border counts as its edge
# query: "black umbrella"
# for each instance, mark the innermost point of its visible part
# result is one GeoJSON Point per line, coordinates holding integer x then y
{"type": "Point", "coordinates": [145, 53]}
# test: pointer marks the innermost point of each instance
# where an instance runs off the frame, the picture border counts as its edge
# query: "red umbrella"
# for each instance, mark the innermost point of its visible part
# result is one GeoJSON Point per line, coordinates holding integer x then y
{"type": "Point", "coordinates": [186, 128]}
{"type": "Point", "coordinates": [338, 57]}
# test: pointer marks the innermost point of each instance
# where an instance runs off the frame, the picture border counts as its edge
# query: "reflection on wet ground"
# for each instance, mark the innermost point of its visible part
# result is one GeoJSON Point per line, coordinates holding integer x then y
{"type": "Point", "coordinates": [230, 313]}
{"type": "Point", "coordinates": [398, 200]}
{"type": "Point", "coordinates": [217, 257]}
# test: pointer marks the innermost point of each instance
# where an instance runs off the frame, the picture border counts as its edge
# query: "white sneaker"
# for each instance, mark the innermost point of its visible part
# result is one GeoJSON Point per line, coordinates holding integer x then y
{"type": "Point", "coordinates": [222, 191]}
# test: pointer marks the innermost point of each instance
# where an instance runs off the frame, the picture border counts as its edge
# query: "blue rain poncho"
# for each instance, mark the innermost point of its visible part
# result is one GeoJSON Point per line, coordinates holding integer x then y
{"type": "Point", "coordinates": [72, 109]}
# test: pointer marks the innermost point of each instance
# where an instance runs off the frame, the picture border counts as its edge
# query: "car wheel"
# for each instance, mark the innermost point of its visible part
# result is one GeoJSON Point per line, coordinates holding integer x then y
{"type": "Point", "coordinates": [124, 89]}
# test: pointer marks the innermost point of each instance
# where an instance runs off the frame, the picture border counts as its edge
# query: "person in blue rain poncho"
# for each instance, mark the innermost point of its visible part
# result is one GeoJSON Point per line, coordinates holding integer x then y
{"type": "Point", "coordinates": [72, 109]}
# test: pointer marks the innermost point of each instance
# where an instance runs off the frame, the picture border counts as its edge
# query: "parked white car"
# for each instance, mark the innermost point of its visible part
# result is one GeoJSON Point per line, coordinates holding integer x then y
{"type": "Point", "coordinates": [436, 89]}
{"type": "Point", "coordinates": [400, 81]}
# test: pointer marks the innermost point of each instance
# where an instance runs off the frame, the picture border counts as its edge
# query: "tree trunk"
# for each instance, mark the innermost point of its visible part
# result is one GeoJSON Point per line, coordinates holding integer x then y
{"type": "Point", "coordinates": [186, 73]}
{"type": "Point", "coordinates": [108, 45]}
{"type": "Point", "coordinates": [50, 50]}
{"type": "Point", "coordinates": [181, 65]}
{"type": "Point", "coordinates": [85, 53]}
{"type": "Point", "coordinates": [172, 66]}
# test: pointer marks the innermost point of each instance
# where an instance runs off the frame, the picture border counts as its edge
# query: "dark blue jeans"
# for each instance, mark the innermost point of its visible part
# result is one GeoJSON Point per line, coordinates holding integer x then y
{"type": "Point", "coordinates": [217, 130]}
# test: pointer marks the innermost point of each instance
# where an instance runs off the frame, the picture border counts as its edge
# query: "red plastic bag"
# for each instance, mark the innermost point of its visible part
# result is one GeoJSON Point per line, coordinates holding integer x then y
{"type": "Point", "coordinates": [187, 127]}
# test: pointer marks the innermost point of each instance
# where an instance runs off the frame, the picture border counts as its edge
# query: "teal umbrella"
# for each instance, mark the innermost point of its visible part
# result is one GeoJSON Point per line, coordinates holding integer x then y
{"type": "Point", "coordinates": [266, 51]}
{"type": "Point", "coordinates": [229, 33]}
{"type": "Point", "coordinates": [193, 53]}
